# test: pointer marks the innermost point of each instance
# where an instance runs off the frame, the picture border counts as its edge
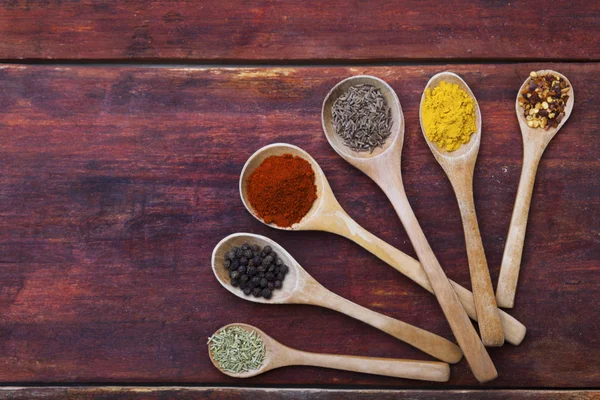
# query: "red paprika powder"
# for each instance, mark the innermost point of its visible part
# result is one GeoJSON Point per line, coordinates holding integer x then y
{"type": "Point", "coordinates": [282, 189]}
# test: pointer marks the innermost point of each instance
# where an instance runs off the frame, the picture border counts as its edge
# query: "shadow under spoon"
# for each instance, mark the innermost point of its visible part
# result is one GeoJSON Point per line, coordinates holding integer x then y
{"type": "Point", "coordinates": [299, 287]}
{"type": "Point", "coordinates": [278, 355]}
{"type": "Point", "coordinates": [326, 214]}
{"type": "Point", "coordinates": [535, 141]}
{"type": "Point", "coordinates": [459, 166]}
{"type": "Point", "coordinates": [383, 166]}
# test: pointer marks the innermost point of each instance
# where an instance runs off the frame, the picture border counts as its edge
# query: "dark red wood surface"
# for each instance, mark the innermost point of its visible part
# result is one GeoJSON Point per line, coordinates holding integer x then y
{"type": "Point", "coordinates": [266, 30]}
{"type": "Point", "coordinates": [117, 182]}
{"type": "Point", "coordinates": [175, 393]}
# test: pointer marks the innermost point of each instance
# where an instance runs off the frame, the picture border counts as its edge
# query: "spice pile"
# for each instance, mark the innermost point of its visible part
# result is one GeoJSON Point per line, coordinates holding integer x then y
{"type": "Point", "coordinates": [282, 189]}
{"type": "Point", "coordinates": [254, 270]}
{"type": "Point", "coordinates": [448, 116]}
{"type": "Point", "coordinates": [362, 118]}
{"type": "Point", "coordinates": [236, 349]}
{"type": "Point", "coordinates": [543, 100]}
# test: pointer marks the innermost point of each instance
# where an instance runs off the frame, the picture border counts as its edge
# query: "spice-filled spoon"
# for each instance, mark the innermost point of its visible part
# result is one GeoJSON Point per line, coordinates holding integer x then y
{"type": "Point", "coordinates": [459, 166]}
{"type": "Point", "coordinates": [326, 214]}
{"type": "Point", "coordinates": [535, 140]}
{"type": "Point", "coordinates": [383, 166]}
{"type": "Point", "coordinates": [298, 287]}
{"type": "Point", "coordinates": [277, 355]}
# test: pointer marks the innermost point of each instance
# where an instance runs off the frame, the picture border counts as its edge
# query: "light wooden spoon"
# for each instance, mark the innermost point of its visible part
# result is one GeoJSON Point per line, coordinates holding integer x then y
{"type": "Point", "coordinates": [535, 141]}
{"type": "Point", "coordinates": [301, 288]}
{"type": "Point", "coordinates": [459, 166]}
{"type": "Point", "coordinates": [327, 215]}
{"type": "Point", "coordinates": [278, 355]}
{"type": "Point", "coordinates": [383, 166]}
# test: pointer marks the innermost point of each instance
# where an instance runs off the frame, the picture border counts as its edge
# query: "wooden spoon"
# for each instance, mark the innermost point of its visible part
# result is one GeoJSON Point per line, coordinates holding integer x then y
{"type": "Point", "coordinates": [327, 215]}
{"type": "Point", "coordinates": [535, 141]}
{"type": "Point", "coordinates": [383, 166]}
{"type": "Point", "coordinates": [277, 355]}
{"type": "Point", "coordinates": [301, 288]}
{"type": "Point", "coordinates": [459, 166]}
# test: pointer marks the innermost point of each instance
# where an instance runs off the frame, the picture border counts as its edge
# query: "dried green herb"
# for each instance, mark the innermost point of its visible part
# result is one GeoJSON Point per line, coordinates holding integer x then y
{"type": "Point", "coordinates": [236, 349]}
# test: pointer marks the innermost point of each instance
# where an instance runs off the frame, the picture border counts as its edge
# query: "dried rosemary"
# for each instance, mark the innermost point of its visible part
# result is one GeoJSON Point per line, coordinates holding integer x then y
{"type": "Point", "coordinates": [362, 118]}
{"type": "Point", "coordinates": [236, 349]}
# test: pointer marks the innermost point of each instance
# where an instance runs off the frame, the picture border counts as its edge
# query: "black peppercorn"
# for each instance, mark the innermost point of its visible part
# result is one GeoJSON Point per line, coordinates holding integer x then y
{"type": "Point", "coordinates": [254, 270]}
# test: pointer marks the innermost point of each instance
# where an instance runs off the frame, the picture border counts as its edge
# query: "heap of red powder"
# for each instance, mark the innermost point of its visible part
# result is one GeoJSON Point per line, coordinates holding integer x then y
{"type": "Point", "coordinates": [282, 189]}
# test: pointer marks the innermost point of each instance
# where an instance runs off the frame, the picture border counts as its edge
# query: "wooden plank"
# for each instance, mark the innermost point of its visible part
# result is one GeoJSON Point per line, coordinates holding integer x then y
{"type": "Point", "coordinates": [216, 393]}
{"type": "Point", "coordinates": [117, 182]}
{"type": "Point", "coordinates": [308, 30]}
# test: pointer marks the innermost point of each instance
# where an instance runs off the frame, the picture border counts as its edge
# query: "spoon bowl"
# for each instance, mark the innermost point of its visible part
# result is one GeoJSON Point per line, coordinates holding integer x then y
{"type": "Point", "coordinates": [396, 137]}
{"type": "Point", "coordinates": [467, 150]}
{"type": "Point", "coordinates": [271, 347]}
{"type": "Point", "coordinates": [278, 355]}
{"type": "Point", "coordinates": [279, 149]}
{"type": "Point", "coordinates": [290, 285]}
{"type": "Point", "coordinates": [539, 133]}
{"type": "Point", "coordinates": [299, 287]}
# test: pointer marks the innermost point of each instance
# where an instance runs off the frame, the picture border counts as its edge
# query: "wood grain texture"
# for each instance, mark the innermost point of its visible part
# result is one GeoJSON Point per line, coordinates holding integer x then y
{"type": "Point", "coordinates": [228, 393]}
{"type": "Point", "coordinates": [117, 182]}
{"type": "Point", "coordinates": [291, 30]}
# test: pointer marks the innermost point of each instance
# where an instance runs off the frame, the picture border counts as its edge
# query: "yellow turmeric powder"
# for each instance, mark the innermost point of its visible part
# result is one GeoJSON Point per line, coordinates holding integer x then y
{"type": "Point", "coordinates": [448, 116]}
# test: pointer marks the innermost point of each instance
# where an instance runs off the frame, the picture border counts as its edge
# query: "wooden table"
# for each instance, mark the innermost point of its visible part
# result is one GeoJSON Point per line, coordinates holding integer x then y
{"type": "Point", "coordinates": [124, 126]}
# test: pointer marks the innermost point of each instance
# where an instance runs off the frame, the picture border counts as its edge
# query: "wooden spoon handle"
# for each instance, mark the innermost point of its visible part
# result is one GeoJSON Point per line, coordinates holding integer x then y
{"type": "Point", "coordinates": [464, 332]}
{"type": "Point", "coordinates": [398, 368]}
{"type": "Point", "coordinates": [513, 249]}
{"type": "Point", "coordinates": [488, 317]}
{"type": "Point", "coordinates": [343, 225]}
{"type": "Point", "coordinates": [423, 340]}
